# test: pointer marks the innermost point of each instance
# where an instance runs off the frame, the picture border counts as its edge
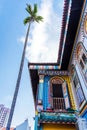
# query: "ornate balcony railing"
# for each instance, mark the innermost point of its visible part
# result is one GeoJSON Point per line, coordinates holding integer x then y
{"type": "Point", "coordinates": [58, 103]}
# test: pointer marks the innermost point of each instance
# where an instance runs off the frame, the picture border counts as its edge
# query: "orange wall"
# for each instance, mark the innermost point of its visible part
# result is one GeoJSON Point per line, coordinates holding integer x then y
{"type": "Point", "coordinates": [58, 127]}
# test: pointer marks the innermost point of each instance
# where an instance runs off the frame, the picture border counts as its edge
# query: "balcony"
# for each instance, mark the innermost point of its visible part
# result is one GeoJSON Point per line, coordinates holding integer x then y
{"type": "Point", "coordinates": [58, 103]}
{"type": "Point", "coordinates": [57, 117]}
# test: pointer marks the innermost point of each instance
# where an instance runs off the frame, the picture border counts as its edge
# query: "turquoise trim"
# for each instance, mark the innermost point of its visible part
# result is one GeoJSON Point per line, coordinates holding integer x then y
{"type": "Point", "coordinates": [41, 127]}
{"type": "Point", "coordinates": [44, 67]}
{"type": "Point", "coordinates": [37, 67]}
{"type": "Point", "coordinates": [57, 117]}
{"type": "Point", "coordinates": [56, 67]}
{"type": "Point", "coordinates": [36, 122]}
{"type": "Point", "coordinates": [46, 93]}
{"type": "Point", "coordinates": [40, 95]}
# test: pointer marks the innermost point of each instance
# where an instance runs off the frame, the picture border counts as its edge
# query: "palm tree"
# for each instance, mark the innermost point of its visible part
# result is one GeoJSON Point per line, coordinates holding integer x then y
{"type": "Point", "coordinates": [30, 19]}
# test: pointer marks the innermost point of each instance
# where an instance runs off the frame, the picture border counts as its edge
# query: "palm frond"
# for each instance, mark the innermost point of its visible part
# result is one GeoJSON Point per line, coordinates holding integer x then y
{"type": "Point", "coordinates": [29, 9]}
{"type": "Point", "coordinates": [27, 20]}
{"type": "Point", "coordinates": [35, 9]}
{"type": "Point", "coordinates": [39, 18]}
{"type": "Point", "coordinates": [33, 14]}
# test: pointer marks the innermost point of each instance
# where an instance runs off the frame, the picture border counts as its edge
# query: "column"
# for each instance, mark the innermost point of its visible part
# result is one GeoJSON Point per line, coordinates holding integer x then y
{"type": "Point", "coordinates": [40, 93]}
{"type": "Point", "coordinates": [36, 121]}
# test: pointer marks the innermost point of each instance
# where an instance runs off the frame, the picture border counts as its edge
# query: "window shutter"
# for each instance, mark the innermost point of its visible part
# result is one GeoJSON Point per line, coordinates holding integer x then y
{"type": "Point", "coordinates": [46, 93]}
{"type": "Point", "coordinates": [65, 95]}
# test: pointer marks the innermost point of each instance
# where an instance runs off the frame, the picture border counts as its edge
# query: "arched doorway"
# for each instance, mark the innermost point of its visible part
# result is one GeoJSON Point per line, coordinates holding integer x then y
{"type": "Point", "coordinates": [59, 95]}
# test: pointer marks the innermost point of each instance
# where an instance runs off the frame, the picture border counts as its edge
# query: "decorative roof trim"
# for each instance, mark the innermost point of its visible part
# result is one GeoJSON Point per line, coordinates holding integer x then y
{"type": "Point", "coordinates": [65, 21]}
{"type": "Point", "coordinates": [53, 72]}
{"type": "Point", "coordinates": [46, 67]}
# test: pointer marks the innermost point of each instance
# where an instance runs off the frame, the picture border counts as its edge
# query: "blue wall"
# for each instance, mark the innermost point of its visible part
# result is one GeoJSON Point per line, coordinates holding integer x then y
{"type": "Point", "coordinates": [84, 115]}
{"type": "Point", "coordinates": [46, 92]}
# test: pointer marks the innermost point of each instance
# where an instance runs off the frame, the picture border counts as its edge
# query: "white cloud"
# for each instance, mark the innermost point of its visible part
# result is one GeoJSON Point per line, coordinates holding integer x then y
{"type": "Point", "coordinates": [60, 4]}
{"type": "Point", "coordinates": [6, 100]}
{"type": "Point", "coordinates": [21, 39]}
{"type": "Point", "coordinates": [45, 36]}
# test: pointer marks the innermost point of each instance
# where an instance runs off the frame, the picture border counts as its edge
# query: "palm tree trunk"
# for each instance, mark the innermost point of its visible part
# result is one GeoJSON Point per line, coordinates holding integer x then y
{"type": "Point", "coordinates": [18, 81]}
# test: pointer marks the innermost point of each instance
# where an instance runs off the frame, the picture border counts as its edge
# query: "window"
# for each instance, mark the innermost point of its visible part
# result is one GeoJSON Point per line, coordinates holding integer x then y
{"type": "Point", "coordinates": [84, 58]}
{"type": "Point", "coordinates": [84, 65]}
{"type": "Point", "coordinates": [80, 95]}
{"type": "Point", "coordinates": [58, 99]}
{"type": "Point", "coordinates": [75, 81]}
{"type": "Point", "coordinates": [86, 75]}
{"type": "Point", "coordinates": [57, 90]}
{"type": "Point", "coordinates": [81, 64]}
{"type": "Point", "coordinates": [79, 92]}
{"type": "Point", "coordinates": [81, 55]}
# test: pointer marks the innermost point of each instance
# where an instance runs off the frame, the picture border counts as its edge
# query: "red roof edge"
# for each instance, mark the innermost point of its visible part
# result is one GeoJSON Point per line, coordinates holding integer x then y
{"type": "Point", "coordinates": [64, 19]}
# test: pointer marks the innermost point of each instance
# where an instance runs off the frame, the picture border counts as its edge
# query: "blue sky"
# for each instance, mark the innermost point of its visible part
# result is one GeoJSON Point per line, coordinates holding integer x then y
{"type": "Point", "coordinates": [42, 46]}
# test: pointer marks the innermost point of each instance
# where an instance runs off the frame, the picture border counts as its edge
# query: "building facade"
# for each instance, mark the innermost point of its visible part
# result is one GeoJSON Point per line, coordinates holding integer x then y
{"type": "Point", "coordinates": [78, 64]}
{"type": "Point", "coordinates": [60, 89]}
{"type": "Point", "coordinates": [4, 114]}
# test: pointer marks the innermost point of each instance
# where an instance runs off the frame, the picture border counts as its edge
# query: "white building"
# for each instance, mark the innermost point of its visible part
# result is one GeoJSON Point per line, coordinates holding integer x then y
{"type": "Point", "coordinates": [4, 114]}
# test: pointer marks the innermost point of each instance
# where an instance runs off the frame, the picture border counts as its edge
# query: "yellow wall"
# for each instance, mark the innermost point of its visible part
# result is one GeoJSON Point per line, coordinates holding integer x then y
{"type": "Point", "coordinates": [58, 127]}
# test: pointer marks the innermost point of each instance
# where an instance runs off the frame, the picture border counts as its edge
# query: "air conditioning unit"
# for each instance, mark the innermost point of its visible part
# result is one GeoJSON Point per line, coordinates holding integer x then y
{"type": "Point", "coordinates": [81, 124]}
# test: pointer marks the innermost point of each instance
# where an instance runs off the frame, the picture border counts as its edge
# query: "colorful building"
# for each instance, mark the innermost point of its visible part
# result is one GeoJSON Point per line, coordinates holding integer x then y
{"type": "Point", "coordinates": [60, 89]}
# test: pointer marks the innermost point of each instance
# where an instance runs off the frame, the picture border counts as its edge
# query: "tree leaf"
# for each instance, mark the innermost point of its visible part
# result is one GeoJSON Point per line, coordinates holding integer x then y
{"type": "Point", "coordinates": [29, 9]}
{"type": "Point", "coordinates": [35, 8]}
{"type": "Point", "coordinates": [27, 20]}
{"type": "Point", "coordinates": [33, 14]}
{"type": "Point", "coordinates": [38, 19]}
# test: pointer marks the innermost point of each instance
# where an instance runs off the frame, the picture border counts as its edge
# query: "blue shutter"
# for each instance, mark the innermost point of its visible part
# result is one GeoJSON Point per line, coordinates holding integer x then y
{"type": "Point", "coordinates": [45, 93]}
{"type": "Point", "coordinates": [65, 94]}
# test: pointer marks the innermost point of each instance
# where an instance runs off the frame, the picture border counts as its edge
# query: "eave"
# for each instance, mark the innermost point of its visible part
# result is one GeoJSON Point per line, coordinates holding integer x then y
{"type": "Point", "coordinates": [68, 36]}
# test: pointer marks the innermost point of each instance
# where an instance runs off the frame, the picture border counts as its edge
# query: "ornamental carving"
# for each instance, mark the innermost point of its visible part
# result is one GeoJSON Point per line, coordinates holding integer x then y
{"type": "Point", "coordinates": [53, 73]}
{"type": "Point", "coordinates": [57, 81]}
